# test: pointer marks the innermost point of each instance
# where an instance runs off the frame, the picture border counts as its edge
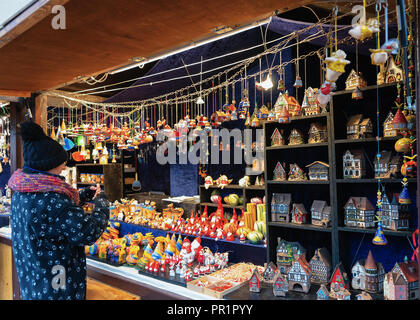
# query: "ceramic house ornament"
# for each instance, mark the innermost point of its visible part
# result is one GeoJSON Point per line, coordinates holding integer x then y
{"type": "Point", "coordinates": [296, 137]}
{"type": "Point", "coordinates": [368, 275]}
{"type": "Point", "coordinates": [401, 283]}
{"type": "Point", "coordinates": [296, 173]}
{"type": "Point", "coordinates": [279, 174]}
{"type": "Point", "coordinates": [389, 130]}
{"type": "Point", "coordinates": [255, 281]}
{"type": "Point", "coordinates": [280, 207]}
{"type": "Point", "coordinates": [320, 213]}
{"type": "Point", "coordinates": [280, 285]}
{"type": "Point", "coordinates": [355, 80]}
{"type": "Point", "coordinates": [353, 164]}
{"type": "Point", "coordinates": [287, 252]}
{"type": "Point", "coordinates": [386, 165]}
{"type": "Point", "coordinates": [394, 216]}
{"type": "Point", "coordinates": [359, 213]}
{"type": "Point", "coordinates": [269, 272]}
{"type": "Point", "coordinates": [322, 293]}
{"type": "Point", "coordinates": [299, 275]}
{"type": "Point", "coordinates": [321, 266]}
{"type": "Point", "coordinates": [310, 104]}
{"type": "Point", "coordinates": [299, 214]}
{"type": "Point", "coordinates": [317, 133]}
{"type": "Point", "coordinates": [339, 280]}
{"type": "Point", "coordinates": [292, 105]}
{"type": "Point", "coordinates": [359, 127]}
{"type": "Point", "coordinates": [277, 138]}
{"type": "Point", "coordinates": [318, 171]}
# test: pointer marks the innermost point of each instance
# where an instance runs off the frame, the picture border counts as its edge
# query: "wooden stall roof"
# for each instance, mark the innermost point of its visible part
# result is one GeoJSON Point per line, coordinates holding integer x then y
{"type": "Point", "coordinates": [101, 35]}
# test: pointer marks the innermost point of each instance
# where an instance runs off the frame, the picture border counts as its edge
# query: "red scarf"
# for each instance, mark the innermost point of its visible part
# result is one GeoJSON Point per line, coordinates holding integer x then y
{"type": "Point", "coordinates": [24, 182]}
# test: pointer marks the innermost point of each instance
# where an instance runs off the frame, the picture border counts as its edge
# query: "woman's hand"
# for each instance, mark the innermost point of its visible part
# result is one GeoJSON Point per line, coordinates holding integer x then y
{"type": "Point", "coordinates": [97, 190]}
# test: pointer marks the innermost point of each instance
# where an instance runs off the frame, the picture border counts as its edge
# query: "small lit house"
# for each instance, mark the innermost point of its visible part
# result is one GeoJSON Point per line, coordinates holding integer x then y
{"type": "Point", "coordinates": [401, 283]}
{"type": "Point", "coordinates": [321, 266]}
{"type": "Point", "coordinates": [280, 285]}
{"type": "Point", "coordinates": [318, 170]}
{"type": "Point", "coordinates": [359, 213]}
{"type": "Point", "coordinates": [392, 72]}
{"type": "Point", "coordinates": [368, 275]}
{"type": "Point", "coordinates": [277, 138]}
{"type": "Point", "coordinates": [286, 253]}
{"type": "Point", "coordinates": [339, 280]}
{"type": "Point", "coordinates": [355, 80]}
{"type": "Point", "coordinates": [389, 130]}
{"type": "Point", "coordinates": [317, 133]}
{"type": "Point", "coordinates": [299, 275]}
{"type": "Point", "coordinates": [399, 122]}
{"type": "Point", "coordinates": [290, 102]}
{"type": "Point", "coordinates": [263, 113]}
{"type": "Point", "coordinates": [255, 281]}
{"type": "Point", "coordinates": [280, 207]}
{"type": "Point", "coordinates": [386, 166]}
{"type": "Point", "coordinates": [299, 214]}
{"type": "Point", "coordinates": [279, 174]}
{"type": "Point", "coordinates": [359, 127]}
{"type": "Point", "coordinates": [296, 173]}
{"type": "Point", "coordinates": [320, 213]}
{"type": "Point", "coordinates": [269, 272]}
{"type": "Point", "coordinates": [310, 104]}
{"type": "Point", "coordinates": [353, 164]}
{"type": "Point", "coordinates": [296, 137]}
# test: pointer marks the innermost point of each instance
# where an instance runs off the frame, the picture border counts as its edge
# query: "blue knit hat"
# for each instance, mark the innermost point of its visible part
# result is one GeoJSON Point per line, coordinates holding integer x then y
{"type": "Point", "coordinates": [40, 152]}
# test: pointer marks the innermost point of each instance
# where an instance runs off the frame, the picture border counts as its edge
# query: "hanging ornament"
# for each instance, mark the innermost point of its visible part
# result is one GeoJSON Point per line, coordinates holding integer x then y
{"type": "Point", "coordinates": [335, 65]}
{"type": "Point", "coordinates": [409, 168]}
{"type": "Point", "coordinates": [379, 238]}
{"type": "Point", "coordinates": [266, 84]}
{"type": "Point", "coordinates": [357, 94]}
{"type": "Point", "coordinates": [404, 197]}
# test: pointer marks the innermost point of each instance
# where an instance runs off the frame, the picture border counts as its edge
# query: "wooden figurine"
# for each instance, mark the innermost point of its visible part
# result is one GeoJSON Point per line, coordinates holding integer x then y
{"type": "Point", "coordinates": [269, 272]}
{"type": "Point", "coordinates": [401, 283]}
{"type": "Point", "coordinates": [277, 138]}
{"type": "Point", "coordinates": [393, 215]}
{"type": "Point", "coordinates": [318, 170]}
{"type": "Point", "coordinates": [287, 253]}
{"type": "Point", "coordinates": [321, 266]}
{"type": "Point", "coordinates": [290, 102]}
{"type": "Point", "coordinates": [355, 80]}
{"type": "Point", "coordinates": [322, 293]}
{"type": "Point", "coordinates": [389, 130]}
{"type": "Point", "coordinates": [299, 214]}
{"type": "Point", "coordinates": [359, 213]}
{"type": "Point", "coordinates": [280, 285]}
{"type": "Point", "coordinates": [296, 173]}
{"type": "Point", "coordinates": [368, 275]}
{"type": "Point", "coordinates": [296, 137]}
{"type": "Point", "coordinates": [317, 133]}
{"type": "Point", "coordinates": [338, 281]}
{"type": "Point", "coordinates": [353, 164]}
{"type": "Point", "coordinates": [320, 213]}
{"type": "Point", "coordinates": [280, 207]}
{"type": "Point", "coordinates": [310, 104]}
{"type": "Point", "coordinates": [387, 166]}
{"type": "Point", "coordinates": [364, 296]}
{"type": "Point", "coordinates": [279, 174]}
{"type": "Point", "coordinates": [359, 127]}
{"type": "Point", "coordinates": [255, 281]}
{"type": "Point", "coordinates": [299, 275]}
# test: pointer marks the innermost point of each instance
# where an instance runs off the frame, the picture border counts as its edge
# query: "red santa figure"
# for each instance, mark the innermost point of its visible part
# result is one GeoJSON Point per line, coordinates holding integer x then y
{"type": "Point", "coordinates": [196, 246]}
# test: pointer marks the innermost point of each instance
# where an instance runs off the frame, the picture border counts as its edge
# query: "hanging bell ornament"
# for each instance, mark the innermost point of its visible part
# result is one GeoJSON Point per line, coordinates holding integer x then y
{"type": "Point", "coordinates": [298, 82]}
{"type": "Point", "coordinates": [357, 94]}
{"type": "Point", "coordinates": [379, 238]}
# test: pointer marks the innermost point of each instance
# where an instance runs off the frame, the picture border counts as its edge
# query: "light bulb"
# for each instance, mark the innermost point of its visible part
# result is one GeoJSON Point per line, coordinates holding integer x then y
{"type": "Point", "coordinates": [200, 100]}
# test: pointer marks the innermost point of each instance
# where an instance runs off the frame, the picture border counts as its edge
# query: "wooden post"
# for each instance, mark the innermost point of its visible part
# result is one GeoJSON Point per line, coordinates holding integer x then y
{"type": "Point", "coordinates": [40, 114]}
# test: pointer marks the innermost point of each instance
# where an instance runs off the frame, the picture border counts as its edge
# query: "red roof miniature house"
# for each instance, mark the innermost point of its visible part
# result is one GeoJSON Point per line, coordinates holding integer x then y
{"type": "Point", "coordinates": [409, 271]}
{"type": "Point", "coordinates": [395, 287]}
{"type": "Point", "coordinates": [269, 272]}
{"type": "Point", "coordinates": [368, 275]}
{"type": "Point", "coordinates": [277, 138]}
{"type": "Point", "coordinates": [255, 281]}
{"type": "Point", "coordinates": [280, 285]}
{"type": "Point", "coordinates": [399, 122]}
{"type": "Point", "coordinates": [290, 102]}
{"type": "Point", "coordinates": [310, 104]}
{"type": "Point", "coordinates": [299, 214]}
{"type": "Point", "coordinates": [299, 275]}
{"type": "Point", "coordinates": [338, 281]}
{"type": "Point", "coordinates": [279, 174]}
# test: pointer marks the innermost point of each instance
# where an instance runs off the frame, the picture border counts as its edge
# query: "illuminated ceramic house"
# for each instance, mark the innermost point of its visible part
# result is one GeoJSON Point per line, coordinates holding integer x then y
{"type": "Point", "coordinates": [310, 103]}
{"type": "Point", "coordinates": [320, 213]}
{"type": "Point", "coordinates": [339, 281]}
{"type": "Point", "coordinates": [296, 173]}
{"type": "Point", "coordinates": [392, 72]}
{"type": "Point", "coordinates": [355, 80]}
{"type": "Point", "coordinates": [368, 275]}
{"type": "Point", "coordinates": [277, 138]}
{"type": "Point", "coordinates": [280, 207]}
{"type": "Point", "coordinates": [286, 253]}
{"type": "Point", "coordinates": [279, 174]}
{"type": "Point", "coordinates": [317, 133]}
{"type": "Point", "coordinates": [280, 285]}
{"type": "Point", "coordinates": [321, 266]}
{"type": "Point", "coordinates": [299, 275]}
{"type": "Point", "coordinates": [255, 281]}
{"type": "Point", "coordinates": [284, 100]}
{"type": "Point", "coordinates": [283, 116]}
{"type": "Point", "coordinates": [389, 130]}
{"type": "Point", "coordinates": [359, 213]}
{"type": "Point", "coordinates": [353, 164]}
{"type": "Point", "coordinates": [318, 171]}
{"type": "Point", "coordinates": [387, 165]}
{"type": "Point", "coordinates": [359, 127]}
{"type": "Point", "coordinates": [399, 122]}
{"type": "Point", "coordinates": [263, 113]}
{"type": "Point", "coordinates": [401, 283]}
{"type": "Point", "coordinates": [296, 137]}
{"type": "Point", "coordinates": [299, 214]}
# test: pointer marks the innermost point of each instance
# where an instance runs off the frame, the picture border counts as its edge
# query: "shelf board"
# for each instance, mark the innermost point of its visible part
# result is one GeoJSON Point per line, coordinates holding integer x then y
{"type": "Point", "coordinates": [230, 186]}
{"type": "Point", "coordinates": [306, 226]}
{"type": "Point", "coordinates": [306, 145]}
{"type": "Point", "coordinates": [211, 204]}
{"type": "Point", "coordinates": [298, 182]}
{"type": "Point", "coordinates": [364, 140]}
{"type": "Point", "coordinates": [371, 87]}
{"type": "Point", "coordinates": [373, 231]}
{"type": "Point", "coordinates": [255, 188]}
{"type": "Point", "coordinates": [321, 115]}
{"type": "Point", "coordinates": [374, 180]}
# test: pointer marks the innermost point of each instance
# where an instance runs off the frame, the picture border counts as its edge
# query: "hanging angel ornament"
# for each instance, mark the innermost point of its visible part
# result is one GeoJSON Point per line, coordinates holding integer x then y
{"type": "Point", "coordinates": [362, 31]}
{"type": "Point", "coordinates": [335, 65]}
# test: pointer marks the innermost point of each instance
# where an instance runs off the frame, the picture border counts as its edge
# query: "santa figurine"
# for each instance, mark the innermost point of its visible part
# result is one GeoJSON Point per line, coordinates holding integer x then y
{"type": "Point", "coordinates": [200, 257]}
{"type": "Point", "coordinates": [230, 236]}
{"type": "Point", "coordinates": [242, 237]}
{"type": "Point", "coordinates": [187, 276]}
{"type": "Point", "coordinates": [219, 234]}
{"type": "Point", "coordinates": [196, 273]}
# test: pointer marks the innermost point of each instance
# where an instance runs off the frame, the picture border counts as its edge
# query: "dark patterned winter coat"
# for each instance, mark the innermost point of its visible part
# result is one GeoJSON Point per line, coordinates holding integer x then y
{"type": "Point", "coordinates": [49, 232]}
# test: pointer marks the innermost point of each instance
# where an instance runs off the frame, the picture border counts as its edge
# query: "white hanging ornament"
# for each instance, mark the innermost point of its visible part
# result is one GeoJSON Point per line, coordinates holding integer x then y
{"type": "Point", "coordinates": [335, 65]}
{"type": "Point", "coordinates": [363, 31]}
